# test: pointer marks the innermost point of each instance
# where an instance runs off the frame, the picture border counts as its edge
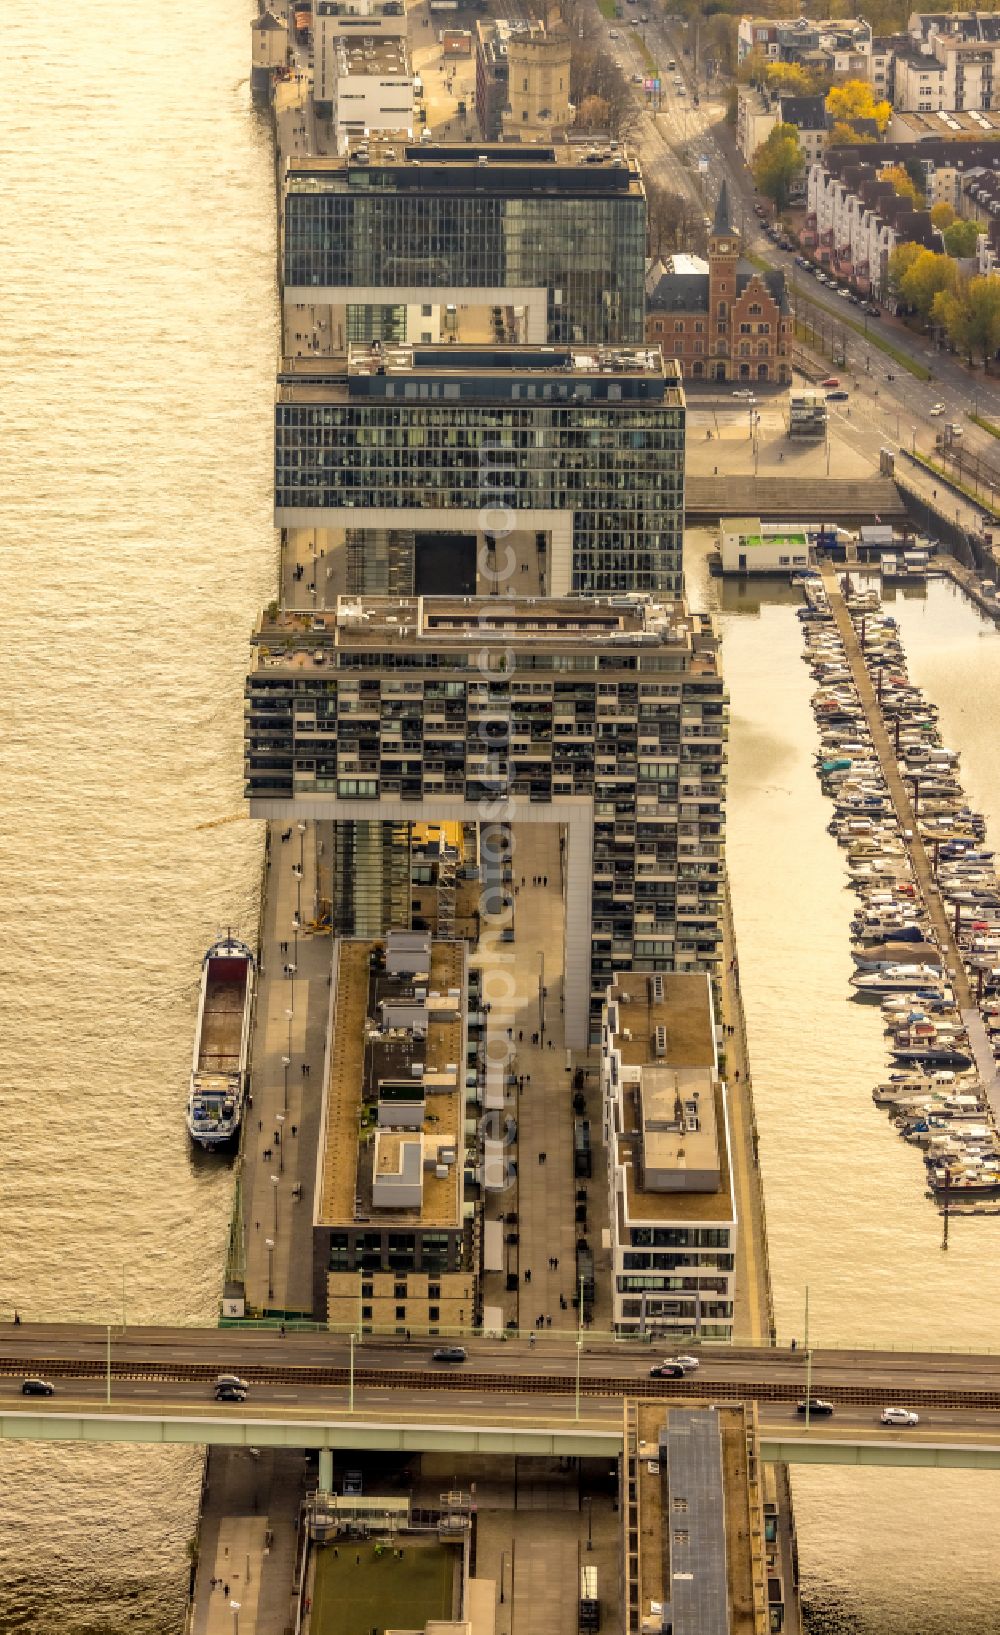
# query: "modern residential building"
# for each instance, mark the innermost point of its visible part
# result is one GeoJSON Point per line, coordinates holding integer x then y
{"type": "Point", "coordinates": [672, 1206]}
{"type": "Point", "coordinates": [566, 462]}
{"type": "Point", "coordinates": [556, 233]}
{"type": "Point", "coordinates": [727, 322]}
{"type": "Point", "coordinates": [538, 68]}
{"type": "Point", "coordinates": [391, 1239]}
{"type": "Point", "coordinates": [372, 88]}
{"type": "Point", "coordinates": [838, 46]}
{"type": "Point", "coordinates": [337, 23]}
{"type": "Point", "coordinates": [699, 1557]}
{"type": "Point", "coordinates": [607, 718]}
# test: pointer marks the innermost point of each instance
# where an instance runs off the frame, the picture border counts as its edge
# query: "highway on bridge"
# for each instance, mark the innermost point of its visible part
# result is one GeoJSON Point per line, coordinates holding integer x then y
{"type": "Point", "coordinates": [508, 1396]}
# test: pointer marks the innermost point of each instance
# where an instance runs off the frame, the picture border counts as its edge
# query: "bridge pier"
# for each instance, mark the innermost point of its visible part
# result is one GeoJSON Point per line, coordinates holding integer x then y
{"type": "Point", "coordinates": [326, 1470]}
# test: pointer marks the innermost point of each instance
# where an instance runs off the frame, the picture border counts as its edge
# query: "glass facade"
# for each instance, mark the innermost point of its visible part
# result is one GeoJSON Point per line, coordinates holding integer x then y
{"type": "Point", "coordinates": [616, 466]}
{"type": "Point", "coordinates": [587, 252]}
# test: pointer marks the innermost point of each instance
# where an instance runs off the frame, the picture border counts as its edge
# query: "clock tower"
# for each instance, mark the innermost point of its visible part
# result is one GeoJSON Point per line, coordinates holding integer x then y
{"type": "Point", "coordinates": [723, 254]}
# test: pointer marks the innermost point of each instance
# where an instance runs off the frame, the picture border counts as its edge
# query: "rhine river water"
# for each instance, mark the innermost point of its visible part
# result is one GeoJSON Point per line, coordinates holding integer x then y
{"type": "Point", "coordinates": [136, 356]}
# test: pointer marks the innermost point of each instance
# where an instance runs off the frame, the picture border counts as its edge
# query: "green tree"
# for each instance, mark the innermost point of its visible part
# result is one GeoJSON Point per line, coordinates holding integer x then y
{"type": "Point", "coordinates": [942, 214]}
{"type": "Point", "coordinates": [854, 101]}
{"type": "Point", "coordinates": [928, 275]}
{"type": "Point", "coordinates": [777, 163]}
{"type": "Point", "coordinates": [960, 238]}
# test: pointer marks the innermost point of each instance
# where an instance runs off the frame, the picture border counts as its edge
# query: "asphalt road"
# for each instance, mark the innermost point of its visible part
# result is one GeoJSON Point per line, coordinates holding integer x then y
{"type": "Point", "coordinates": [891, 409]}
{"type": "Point", "coordinates": [28, 1348]}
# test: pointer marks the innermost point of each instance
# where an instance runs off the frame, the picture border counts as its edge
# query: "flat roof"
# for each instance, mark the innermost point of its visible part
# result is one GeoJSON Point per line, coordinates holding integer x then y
{"type": "Point", "coordinates": [680, 1004]}
{"type": "Point", "coordinates": [372, 54]}
{"type": "Point", "coordinates": [483, 374]}
{"type": "Point", "coordinates": [346, 1159]}
{"type": "Point", "coordinates": [464, 625]}
{"type": "Point", "coordinates": [674, 1536]}
{"type": "Point", "coordinates": [679, 1001]}
{"type": "Point", "coordinates": [681, 1208]}
{"type": "Point", "coordinates": [516, 168]}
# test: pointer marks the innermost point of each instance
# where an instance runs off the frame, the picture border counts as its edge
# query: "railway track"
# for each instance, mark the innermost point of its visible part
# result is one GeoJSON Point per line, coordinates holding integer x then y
{"type": "Point", "coordinates": [520, 1385]}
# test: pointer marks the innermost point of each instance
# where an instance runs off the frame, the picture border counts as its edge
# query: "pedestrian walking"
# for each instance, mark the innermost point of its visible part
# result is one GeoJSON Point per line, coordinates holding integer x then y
{"type": "Point", "coordinates": [527, 1274]}
{"type": "Point", "coordinates": [225, 1590]}
{"type": "Point", "coordinates": [303, 1069]}
{"type": "Point", "coordinates": [545, 879]}
{"type": "Point", "coordinates": [522, 879]}
{"type": "Point", "coordinates": [555, 1263]}
{"type": "Point", "coordinates": [260, 1124]}
{"type": "Point", "coordinates": [295, 1129]}
{"type": "Point", "coordinates": [520, 1036]}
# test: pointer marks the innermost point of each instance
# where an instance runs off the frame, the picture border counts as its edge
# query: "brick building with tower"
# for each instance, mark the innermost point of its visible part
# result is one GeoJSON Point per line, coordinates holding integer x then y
{"type": "Point", "coordinates": [722, 320]}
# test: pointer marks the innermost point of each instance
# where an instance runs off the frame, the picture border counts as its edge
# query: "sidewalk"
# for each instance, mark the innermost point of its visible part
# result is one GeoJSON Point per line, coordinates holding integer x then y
{"type": "Point", "coordinates": [544, 1110]}
{"type": "Point", "coordinates": [282, 1131]}
{"type": "Point", "coordinates": [247, 1541]}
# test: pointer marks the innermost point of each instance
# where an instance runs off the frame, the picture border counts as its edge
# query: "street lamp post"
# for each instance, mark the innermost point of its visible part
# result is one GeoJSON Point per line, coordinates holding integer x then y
{"type": "Point", "coordinates": [275, 1182]}
{"type": "Point", "coordinates": [588, 1501]}
{"type": "Point", "coordinates": [279, 1119]}
{"type": "Point", "coordinates": [269, 1246]}
{"type": "Point", "coordinates": [286, 1062]}
{"type": "Point", "coordinates": [289, 1014]}
{"type": "Point", "coordinates": [291, 974]}
{"type": "Point", "coordinates": [234, 1607]}
{"type": "Point", "coordinates": [579, 1349]}
{"type": "Point", "coordinates": [808, 1360]}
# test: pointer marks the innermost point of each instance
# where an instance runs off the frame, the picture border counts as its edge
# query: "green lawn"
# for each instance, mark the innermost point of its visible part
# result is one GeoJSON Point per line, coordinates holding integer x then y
{"type": "Point", "coordinates": [380, 1592]}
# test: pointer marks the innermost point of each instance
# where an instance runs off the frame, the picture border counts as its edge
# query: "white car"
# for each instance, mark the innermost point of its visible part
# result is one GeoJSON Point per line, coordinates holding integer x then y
{"type": "Point", "coordinates": [746, 393]}
{"type": "Point", "coordinates": [899, 1416]}
{"type": "Point", "coordinates": [687, 1363]}
{"type": "Point", "coordinates": [614, 34]}
{"type": "Point", "coordinates": [936, 409]}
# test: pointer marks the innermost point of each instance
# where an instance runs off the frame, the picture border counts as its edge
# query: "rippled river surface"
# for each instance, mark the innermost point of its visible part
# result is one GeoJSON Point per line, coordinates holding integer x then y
{"type": "Point", "coordinates": [137, 345]}
{"type": "Point", "coordinates": [136, 369]}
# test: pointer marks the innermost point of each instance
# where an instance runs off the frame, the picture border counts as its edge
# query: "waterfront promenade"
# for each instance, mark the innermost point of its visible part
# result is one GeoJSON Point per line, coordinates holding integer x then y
{"type": "Point", "coordinates": [293, 998]}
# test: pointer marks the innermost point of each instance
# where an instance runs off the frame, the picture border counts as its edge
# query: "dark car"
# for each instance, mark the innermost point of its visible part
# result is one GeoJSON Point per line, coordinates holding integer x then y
{"type": "Point", "coordinates": [815, 1405]}
{"type": "Point", "coordinates": [449, 1353]}
{"type": "Point", "coordinates": [230, 1393]}
{"type": "Point", "coordinates": [666, 1371]}
{"type": "Point", "coordinates": [37, 1388]}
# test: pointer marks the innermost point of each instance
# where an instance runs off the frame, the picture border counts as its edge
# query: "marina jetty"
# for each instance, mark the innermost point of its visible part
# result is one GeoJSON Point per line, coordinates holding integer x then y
{"type": "Point", "coordinates": [926, 933]}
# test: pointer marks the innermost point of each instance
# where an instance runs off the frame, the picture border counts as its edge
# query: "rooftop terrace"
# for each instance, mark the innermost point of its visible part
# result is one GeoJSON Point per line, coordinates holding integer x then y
{"type": "Point", "coordinates": [353, 1154]}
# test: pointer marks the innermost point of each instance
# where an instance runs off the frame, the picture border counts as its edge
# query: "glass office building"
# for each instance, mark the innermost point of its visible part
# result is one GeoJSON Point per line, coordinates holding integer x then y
{"type": "Point", "coordinates": [586, 446]}
{"type": "Point", "coordinates": [412, 220]}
